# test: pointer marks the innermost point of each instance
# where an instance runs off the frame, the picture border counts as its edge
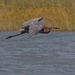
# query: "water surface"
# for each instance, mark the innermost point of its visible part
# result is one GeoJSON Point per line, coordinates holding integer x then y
{"type": "Point", "coordinates": [44, 54]}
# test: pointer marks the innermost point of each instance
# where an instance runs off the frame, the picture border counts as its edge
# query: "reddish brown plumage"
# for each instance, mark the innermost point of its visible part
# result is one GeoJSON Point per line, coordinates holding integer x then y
{"type": "Point", "coordinates": [45, 29]}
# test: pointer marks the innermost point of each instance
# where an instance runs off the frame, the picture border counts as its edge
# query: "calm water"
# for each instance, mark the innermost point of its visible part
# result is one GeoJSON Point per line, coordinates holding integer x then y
{"type": "Point", "coordinates": [44, 54]}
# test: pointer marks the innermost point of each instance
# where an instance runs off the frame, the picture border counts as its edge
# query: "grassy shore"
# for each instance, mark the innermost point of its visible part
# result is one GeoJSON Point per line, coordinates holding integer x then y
{"type": "Point", "coordinates": [59, 13]}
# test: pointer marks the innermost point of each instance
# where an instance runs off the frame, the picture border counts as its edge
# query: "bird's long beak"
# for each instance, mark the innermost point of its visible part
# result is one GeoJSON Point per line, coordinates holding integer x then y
{"type": "Point", "coordinates": [56, 28]}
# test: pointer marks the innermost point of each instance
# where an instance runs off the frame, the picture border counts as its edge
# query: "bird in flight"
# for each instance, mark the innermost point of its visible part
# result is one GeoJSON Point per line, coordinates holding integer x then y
{"type": "Point", "coordinates": [34, 26]}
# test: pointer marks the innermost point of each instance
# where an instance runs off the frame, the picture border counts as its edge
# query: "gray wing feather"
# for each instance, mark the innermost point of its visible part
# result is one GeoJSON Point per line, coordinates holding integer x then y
{"type": "Point", "coordinates": [29, 22]}
{"type": "Point", "coordinates": [35, 27]}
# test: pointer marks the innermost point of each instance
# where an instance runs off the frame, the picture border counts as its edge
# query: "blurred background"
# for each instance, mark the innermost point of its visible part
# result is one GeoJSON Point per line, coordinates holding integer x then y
{"type": "Point", "coordinates": [59, 13]}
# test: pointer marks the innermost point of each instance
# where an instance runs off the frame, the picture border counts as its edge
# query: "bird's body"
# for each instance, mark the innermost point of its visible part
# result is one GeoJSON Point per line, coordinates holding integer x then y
{"type": "Point", "coordinates": [33, 27]}
{"type": "Point", "coordinates": [45, 29]}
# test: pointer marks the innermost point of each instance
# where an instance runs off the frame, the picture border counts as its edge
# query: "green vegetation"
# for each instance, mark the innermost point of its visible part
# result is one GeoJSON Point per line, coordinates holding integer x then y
{"type": "Point", "coordinates": [59, 13]}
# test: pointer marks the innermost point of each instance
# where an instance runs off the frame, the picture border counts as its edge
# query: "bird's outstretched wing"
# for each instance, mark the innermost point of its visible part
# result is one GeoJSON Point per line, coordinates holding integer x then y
{"type": "Point", "coordinates": [29, 22]}
{"type": "Point", "coordinates": [35, 27]}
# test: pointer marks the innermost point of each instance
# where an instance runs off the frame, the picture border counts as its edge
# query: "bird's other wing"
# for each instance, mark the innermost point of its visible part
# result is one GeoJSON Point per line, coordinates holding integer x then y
{"type": "Point", "coordinates": [35, 27]}
{"type": "Point", "coordinates": [37, 19]}
{"type": "Point", "coordinates": [28, 22]}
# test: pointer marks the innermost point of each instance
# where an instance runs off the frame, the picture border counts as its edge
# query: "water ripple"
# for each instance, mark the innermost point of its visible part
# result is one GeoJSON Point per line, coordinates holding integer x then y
{"type": "Point", "coordinates": [51, 54]}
